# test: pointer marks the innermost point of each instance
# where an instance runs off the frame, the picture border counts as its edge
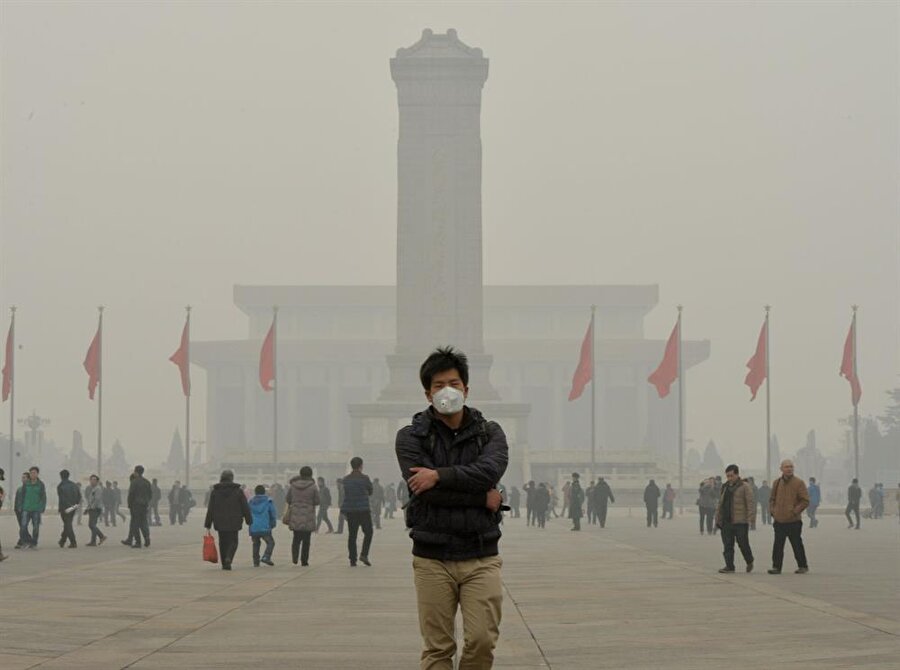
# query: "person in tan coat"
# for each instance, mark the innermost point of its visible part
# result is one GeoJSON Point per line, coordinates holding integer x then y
{"type": "Point", "coordinates": [735, 513]}
{"type": "Point", "coordinates": [302, 499]}
{"type": "Point", "coordinates": [787, 500]}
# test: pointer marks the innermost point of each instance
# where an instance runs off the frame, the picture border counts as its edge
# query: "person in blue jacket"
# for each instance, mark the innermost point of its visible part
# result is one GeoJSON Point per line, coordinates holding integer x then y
{"type": "Point", "coordinates": [262, 508]}
{"type": "Point", "coordinates": [815, 499]}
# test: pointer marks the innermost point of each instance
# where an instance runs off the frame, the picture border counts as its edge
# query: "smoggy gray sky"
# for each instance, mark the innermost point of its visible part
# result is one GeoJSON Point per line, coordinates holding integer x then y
{"type": "Point", "coordinates": [737, 154]}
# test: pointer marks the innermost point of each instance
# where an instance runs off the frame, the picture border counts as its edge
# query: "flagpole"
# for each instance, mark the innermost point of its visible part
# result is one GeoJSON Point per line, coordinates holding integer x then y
{"type": "Point", "coordinates": [768, 405]}
{"type": "Point", "coordinates": [100, 396]}
{"type": "Point", "coordinates": [187, 406]}
{"type": "Point", "coordinates": [12, 392]}
{"type": "Point", "coordinates": [855, 404]}
{"type": "Point", "coordinates": [680, 419]}
{"type": "Point", "coordinates": [593, 393]}
{"type": "Point", "coordinates": [275, 395]}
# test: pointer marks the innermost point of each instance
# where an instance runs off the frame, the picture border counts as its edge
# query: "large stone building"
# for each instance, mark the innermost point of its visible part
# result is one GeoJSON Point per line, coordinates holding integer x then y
{"type": "Point", "coordinates": [333, 348]}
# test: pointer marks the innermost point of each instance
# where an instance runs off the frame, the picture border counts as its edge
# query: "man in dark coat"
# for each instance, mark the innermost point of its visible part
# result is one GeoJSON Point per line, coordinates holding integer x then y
{"type": "Point", "coordinates": [576, 502]}
{"type": "Point", "coordinates": [602, 496]}
{"type": "Point", "coordinates": [324, 504]}
{"type": "Point", "coordinates": [376, 500]}
{"type": "Point", "coordinates": [140, 493]}
{"type": "Point", "coordinates": [174, 498]}
{"type": "Point", "coordinates": [453, 460]}
{"type": "Point", "coordinates": [529, 503]}
{"type": "Point", "coordinates": [153, 512]}
{"type": "Point", "coordinates": [227, 511]}
{"type": "Point", "coordinates": [185, 503]}
{"type": "Point", "coordinates": [357, 509]}
{"type": "Point", "coordinates": [651, 500]}
{"type": "Point", "coordinates": [69, 497]}
{"type": "Point", "coordinates": [109, 504]}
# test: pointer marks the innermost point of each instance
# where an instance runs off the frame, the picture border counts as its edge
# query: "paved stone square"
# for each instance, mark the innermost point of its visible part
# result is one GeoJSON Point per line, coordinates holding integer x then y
{"type": "Point", "coordinates": [621, 597]}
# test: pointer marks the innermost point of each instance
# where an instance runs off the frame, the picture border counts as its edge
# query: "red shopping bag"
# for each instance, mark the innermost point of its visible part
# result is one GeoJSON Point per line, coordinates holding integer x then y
{"type": "Point", "coordinates": [209, 549]}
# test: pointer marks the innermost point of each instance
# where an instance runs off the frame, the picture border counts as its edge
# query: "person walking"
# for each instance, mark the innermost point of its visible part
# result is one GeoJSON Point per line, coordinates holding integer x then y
{"type": "Point", "coordinates": [651, 500]}
{"type": "Point", "coordinates": [93, 505]}
{"type": "Point", "coordinates": [262, 522]}
{"type": "Point", "coordinates": [358, 511]}
{"type": "Point", "coordinates": [565, 491]}
{"type": "Point", "coordinates": [787, 501]}
{"type": "Point", "coordinates": [302, 499]}
{"type": "Point", "coordinates": [155, 497]}
{"type": "Point", "coordinates": [589, 503]}
{"type": "Point", "coordinates": [603, 495]}
{"type": "Point", "coordinates": [529, 503]}
{"type": "Point", "coordinates": [227, 511]}
{"type": "Point", "coordinates": [186, 503]}
{"type": "Point", "coordinates": [668, 499]}
{"type": "Point", "coordinates": [576, 502]}
{"type": "Point", "coordinates": [762, 497]}
{"type": "Point", "coordinates": [376, 500]}
{"type": "Point", "coordinates": [541, 504]}
{"type": "Point", "coordinates": [854, 495]}
{"type": "Point", "coordinates": [453, 460]}
{"type": "Point", "coordinates": [390, 501]}
{"type": "Point", "coordinates": [17, 508]}
{"type": "Point", "coordinates": [515, 502]}
{"type": "Point", "coordinates": [707, 501]}
{"type": "Point", "coordinates": [174, 498]}
{"type": "Point", "coordinates": [735, 513]}
{"type": "Point", "coordinates": [339, 485]}
{"type": "Point", "coordinates": [69, 498]}
{"type": "Point", "coordinates": [815, 499]}
{"type": "Point", "coordinates": [324, 504]}
{"type": "Point", "coordinates": [109, 504]}
{"type": "Point", "coordinates": [34, 503]}
{"type": "Point", "coordinates": [117, 502]}
{"type": "Point", "coordinates": [140, 493]}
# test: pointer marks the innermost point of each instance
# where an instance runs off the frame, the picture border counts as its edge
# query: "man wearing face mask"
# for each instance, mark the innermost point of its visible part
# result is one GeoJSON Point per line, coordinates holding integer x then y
{"type": "Point", "coordinates": [452, 459]}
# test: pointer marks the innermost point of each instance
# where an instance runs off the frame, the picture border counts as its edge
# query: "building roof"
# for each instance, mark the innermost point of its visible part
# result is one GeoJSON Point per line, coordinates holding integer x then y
{"type": "Point", "coordinates": [254, 298]}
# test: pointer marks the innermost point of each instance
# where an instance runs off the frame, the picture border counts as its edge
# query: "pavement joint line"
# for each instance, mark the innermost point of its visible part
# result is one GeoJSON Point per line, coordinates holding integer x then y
{"type": "Point", "coordinates": [275, 587]}
{"type": "Point", "coordinates": [527, 626]}
{"type": "Point", "coordinates": [9, 581]}
{"type": "Point", "coordinates": [875, 623]}
{"type": "Point", "coordinates": [168, 610]}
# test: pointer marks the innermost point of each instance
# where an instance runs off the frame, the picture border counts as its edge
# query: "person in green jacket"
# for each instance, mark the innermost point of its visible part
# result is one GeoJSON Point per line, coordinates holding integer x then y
{"type": "Point", "coordinates": [34, 502]}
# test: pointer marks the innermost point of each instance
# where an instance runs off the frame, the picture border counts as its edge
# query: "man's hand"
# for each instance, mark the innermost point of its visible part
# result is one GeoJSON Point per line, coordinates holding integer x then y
{"type": "Point", "coordinates": [422, 480]}
{"type": "Point", "coordinates": [494, 500]}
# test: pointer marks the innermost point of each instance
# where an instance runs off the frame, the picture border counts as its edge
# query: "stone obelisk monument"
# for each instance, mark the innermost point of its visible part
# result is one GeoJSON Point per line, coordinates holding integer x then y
{"type": "Point", "coordinates": [439, 257]}
{"type": "Point", "coordinates": [439, 251]}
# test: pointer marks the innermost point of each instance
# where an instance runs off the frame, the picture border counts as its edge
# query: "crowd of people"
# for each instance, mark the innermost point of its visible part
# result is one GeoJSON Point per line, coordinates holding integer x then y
{"type": "Point", "coordinates": [102, 503]}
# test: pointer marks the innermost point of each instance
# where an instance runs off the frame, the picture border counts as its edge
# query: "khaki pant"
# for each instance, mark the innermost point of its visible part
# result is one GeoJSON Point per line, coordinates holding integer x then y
{"type": "Point", "coordinates": [476, 588]}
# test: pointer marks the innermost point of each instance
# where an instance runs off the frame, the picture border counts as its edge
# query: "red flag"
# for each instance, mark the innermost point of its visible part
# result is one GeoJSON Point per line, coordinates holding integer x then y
{"type": "Point", "coordinates": [267, 360]}
{"type": "Point", "coordinates": [667, 372]}
{"type": "Point", "coordinates": [757, 364]}
{"type": "Point", "coordinates": [8, 365]}
{"type": "Point", "coordinates": [180, 358]}
{"type": "Point", "coordinates": [848, 365]}
{"type": "Point", "coordinates": [92, 364]}
{"type": "Point", "coordinates": [584, 373]}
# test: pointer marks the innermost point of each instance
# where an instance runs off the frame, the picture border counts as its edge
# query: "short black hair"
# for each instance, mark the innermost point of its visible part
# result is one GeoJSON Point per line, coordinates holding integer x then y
{"type": "Point", "coordinates": [260, 490]}
{"type": "Point", "coordinates": [855, 480]}
{"type": "Point", "coordinates": [441, 360]}
{"type": "Point", "coordinates": [733, 468]}
{"type": "Point", "coordinates": [306, 472]}
{"type": "Point", "coordinates": [63, 474]}
{"type": "Point", "coordinates": [35, 468]}
{"type": "Point", "coordinates": [356, 462]}
{"type": "Point", "coordinates": [139, 469]}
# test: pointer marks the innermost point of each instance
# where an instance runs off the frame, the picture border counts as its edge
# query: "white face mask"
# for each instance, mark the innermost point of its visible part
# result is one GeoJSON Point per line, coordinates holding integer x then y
{"type": "Point", "coordinates": [448, 401]}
